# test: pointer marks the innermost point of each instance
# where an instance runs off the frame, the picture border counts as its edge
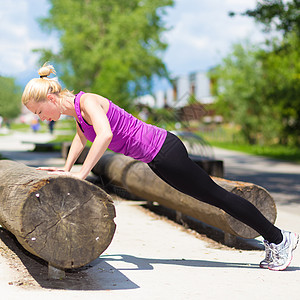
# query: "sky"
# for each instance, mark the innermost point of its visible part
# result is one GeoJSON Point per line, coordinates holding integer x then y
{"type": "Point", "coordinates": [201, 34]}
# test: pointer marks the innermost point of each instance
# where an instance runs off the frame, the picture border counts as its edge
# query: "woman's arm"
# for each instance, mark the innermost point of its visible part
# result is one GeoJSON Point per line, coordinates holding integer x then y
{"type": "Point", "coordinates": [76, 148]}
{"type": "Point", "coordinates": [95, 114]}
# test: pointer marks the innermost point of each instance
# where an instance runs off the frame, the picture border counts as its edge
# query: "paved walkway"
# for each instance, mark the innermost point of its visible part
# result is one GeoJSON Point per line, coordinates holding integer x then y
{"type": "Point", "coordinates": [151, 258]}
{"type": "Point", "coordinates": [281, 179]}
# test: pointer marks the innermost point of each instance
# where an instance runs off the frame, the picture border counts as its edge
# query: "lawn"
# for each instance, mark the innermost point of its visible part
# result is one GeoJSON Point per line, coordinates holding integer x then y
{"type": "Point", "coordinates": [228, 138]}
{"type": "Point", "coordinates": [225, 137]}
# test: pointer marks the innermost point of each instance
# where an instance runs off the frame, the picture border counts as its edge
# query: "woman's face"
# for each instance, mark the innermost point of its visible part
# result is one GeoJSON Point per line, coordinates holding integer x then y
{"type": "Point", "coordinates": [48, 110]}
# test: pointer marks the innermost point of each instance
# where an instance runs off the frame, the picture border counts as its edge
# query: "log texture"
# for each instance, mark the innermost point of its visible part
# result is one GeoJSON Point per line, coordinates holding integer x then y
{"type": "Point", "coordinates": [139, 180]}
{"type": "Point", "coordinates": [65, 221]}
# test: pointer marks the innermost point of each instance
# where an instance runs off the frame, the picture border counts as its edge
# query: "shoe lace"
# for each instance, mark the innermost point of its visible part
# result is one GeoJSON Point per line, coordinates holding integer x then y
{"type": "Point", "coordinates": [278, 252]}
{"type": "Point", "coordinates": [268, 251]}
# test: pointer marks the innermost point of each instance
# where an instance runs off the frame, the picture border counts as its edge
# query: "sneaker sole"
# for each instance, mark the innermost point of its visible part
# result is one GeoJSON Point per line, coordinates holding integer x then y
{"type": "Point", "coordinates": [283, 267]}
{"type": "Point", "coordinates": [264, 267]}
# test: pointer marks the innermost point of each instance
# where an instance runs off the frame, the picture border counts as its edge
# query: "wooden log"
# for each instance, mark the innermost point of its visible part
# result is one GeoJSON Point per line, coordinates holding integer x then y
{"type": "Point", "coordinates": [139, 180]}
{"type": "Point", "coordinates": [65, 221]}
{"type": "Point", "coordinates": [65, 148]}
{"type": "Point", "coordinates": [212, 167]}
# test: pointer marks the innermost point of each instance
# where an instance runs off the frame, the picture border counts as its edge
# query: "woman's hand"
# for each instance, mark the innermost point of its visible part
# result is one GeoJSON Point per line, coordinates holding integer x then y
{"type": "Point", "coordinates": [65, 173]}
{"type": "Point", "coordinates": [52, 169]}
{"type": "Point", "coordinates": [60, 172]}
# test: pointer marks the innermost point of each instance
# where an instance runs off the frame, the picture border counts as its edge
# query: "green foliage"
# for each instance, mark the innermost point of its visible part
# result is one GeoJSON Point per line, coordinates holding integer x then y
{"type": "Point", "coordinates": [225, 139]}
{"type": "Point", "coordinates": [277, 14]}
{"type": "Point", "coordinates": [10, 95]}
{"type": "Point", "coordinates": [259, 88]}
{"type": "Point", "coordinates": [282, 69]}
{"type": "Point", "coordinates": [241, 94]}
{"type": "Point", "coordinates": [259, 91]}
{"type": "Point", "coordinates": [108, 47]}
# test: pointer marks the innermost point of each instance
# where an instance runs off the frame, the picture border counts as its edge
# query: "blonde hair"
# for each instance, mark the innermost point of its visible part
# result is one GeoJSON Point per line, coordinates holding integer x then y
{"type": "Point", "coordinates": [37, 89]}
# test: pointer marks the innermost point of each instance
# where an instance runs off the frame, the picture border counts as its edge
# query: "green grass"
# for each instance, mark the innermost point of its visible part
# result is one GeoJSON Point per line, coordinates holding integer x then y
{"type": "Point", "coordinates": [275, 151]}
{"type": "Point", "coordinates": [63, 138]}
{"type": "Point", "coordinates": [26, 127]}
{"type": "Point", "coordinates": [225, 137]}
{"type": "Point", "coordinates": [65, 124]}
{"type": "Point", "coordinates": [230, 139]}
{"type": "Point", "coordinates": [20, 127]}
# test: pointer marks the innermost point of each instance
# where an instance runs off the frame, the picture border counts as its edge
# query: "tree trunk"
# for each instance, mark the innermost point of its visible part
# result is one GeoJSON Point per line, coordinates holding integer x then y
{"type": "Point", "coordinates": [66, 221]}
{"type": "Point", "coordinates": [139, 180]}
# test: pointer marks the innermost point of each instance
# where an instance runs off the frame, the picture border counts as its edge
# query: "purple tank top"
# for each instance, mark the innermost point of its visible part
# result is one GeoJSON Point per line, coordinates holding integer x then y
{"type": "Point", "coordinates": [131, 136]}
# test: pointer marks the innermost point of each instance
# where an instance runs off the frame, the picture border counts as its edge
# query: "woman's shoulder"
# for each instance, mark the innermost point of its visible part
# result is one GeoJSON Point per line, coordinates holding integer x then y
{"type": "Point", "coordinates": [88, 97]}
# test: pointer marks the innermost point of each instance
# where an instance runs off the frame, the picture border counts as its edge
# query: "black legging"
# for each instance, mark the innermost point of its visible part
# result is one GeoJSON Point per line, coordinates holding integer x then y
{"type": "Point", "coordinates": [173, 165]}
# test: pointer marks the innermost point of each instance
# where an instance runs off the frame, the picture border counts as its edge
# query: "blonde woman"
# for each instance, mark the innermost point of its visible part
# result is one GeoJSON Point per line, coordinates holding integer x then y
{"type": "Point", "coordinates": [108, 126]}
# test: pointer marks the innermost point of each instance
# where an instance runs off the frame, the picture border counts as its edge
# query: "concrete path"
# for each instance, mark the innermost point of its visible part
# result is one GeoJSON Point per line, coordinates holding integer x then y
{"type": "Point", "coordinates": [281, 179]}
{"type": "Point", "coordinates": [153, 258]}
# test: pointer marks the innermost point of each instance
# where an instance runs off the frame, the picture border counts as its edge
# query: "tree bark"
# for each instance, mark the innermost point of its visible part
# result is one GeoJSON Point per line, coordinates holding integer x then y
{"type": "Point", "coordinates": [138, 179]}
{"type": "Point", "coordinates": [65, 221]}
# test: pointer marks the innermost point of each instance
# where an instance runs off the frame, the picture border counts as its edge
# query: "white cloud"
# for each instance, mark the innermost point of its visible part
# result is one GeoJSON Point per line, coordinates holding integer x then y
{"type": "Point", "coordinates": [183, 35]}
{"type": "Point", "coordinates": [203, 32]}
{"type": "Point", "coordinates": [238, 4]}
{"type": "Point", "coordinates": [20, 34]}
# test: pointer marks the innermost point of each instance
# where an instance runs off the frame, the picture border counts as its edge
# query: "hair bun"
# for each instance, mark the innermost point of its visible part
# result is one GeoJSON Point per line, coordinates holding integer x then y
{"type": "Point", "coordinates": [46, 70]}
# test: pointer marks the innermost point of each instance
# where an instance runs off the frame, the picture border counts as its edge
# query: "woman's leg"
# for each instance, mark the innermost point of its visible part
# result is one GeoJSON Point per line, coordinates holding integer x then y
{"type": "Point", "coordinates": [173, 165]}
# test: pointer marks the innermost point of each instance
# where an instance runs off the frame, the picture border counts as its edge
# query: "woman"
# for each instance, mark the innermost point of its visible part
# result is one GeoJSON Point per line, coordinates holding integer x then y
{"type": "Point", "coordinates": [108, 126]}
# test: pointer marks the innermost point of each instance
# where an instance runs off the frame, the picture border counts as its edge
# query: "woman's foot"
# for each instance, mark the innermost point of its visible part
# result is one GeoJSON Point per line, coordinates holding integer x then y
{"type": "Point", "coordinates": [282, 254]}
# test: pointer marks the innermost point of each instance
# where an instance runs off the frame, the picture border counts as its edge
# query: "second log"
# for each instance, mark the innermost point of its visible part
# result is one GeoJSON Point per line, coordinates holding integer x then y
{"type": "Point", "coordinates": [137, 178]}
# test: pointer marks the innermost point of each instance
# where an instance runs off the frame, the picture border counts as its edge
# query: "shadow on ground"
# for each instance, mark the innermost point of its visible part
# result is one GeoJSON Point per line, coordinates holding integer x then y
{"type": "Point", "coordinates": [277, 184]}
{"type": "Point", "coordinates": [98, 275]}
{"type": "Point", "coordinates": [104, 273]}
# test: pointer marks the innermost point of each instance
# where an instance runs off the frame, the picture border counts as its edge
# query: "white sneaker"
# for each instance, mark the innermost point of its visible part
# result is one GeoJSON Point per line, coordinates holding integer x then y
{"type": "Point", "coordinates": [268, 259]}
{"type": "Point", "coordinates": [282, 253]}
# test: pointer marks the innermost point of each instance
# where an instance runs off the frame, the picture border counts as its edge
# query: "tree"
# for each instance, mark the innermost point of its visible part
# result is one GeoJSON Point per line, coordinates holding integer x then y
{"type": "Point", "coordinates": [276, 68]}
{"type": "Point", "coordinates": [277, 15]}
{"type": "Point", "coordinates": [259, 91]}
{"type": "Point", "coordinates": [108, 47]}
{"type": "Point", "coordinates": [242, 95]}
{"type": "Point", "coordinates": [282, 69]}
{"type": "Point", "coordinates": [10, 104]}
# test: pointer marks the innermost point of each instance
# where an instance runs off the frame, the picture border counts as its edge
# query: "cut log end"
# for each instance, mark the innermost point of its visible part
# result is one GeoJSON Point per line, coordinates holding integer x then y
{"type": "Point", "coordinates": [67, 222]}
{"type": "Point", "coordinates": [262, 200]}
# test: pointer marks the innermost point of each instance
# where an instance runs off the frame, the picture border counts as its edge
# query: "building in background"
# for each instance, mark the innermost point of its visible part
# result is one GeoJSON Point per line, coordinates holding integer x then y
{"type": "Point", "coordinates": [191, 95]}
{"type": "Point", "coordinates": [194, 86]}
